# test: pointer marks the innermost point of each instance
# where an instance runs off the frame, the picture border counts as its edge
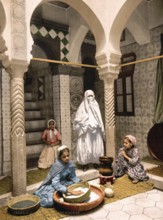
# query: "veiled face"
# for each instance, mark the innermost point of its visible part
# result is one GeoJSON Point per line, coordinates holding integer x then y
{"type": "Point", "coordinates": [90, 98]}
{"type": "Point", "coordinates": [89, 95]}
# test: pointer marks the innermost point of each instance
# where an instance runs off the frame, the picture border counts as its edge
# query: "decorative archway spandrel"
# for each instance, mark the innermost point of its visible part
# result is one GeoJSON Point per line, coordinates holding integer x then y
{"type": "Point", "coordinates": [18, 25]}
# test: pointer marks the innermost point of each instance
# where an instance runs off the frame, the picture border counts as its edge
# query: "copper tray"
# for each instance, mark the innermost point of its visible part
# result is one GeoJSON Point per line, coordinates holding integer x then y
{"type": "Point", "coordinates": [80, 207]}
{"type": "Point", "coordinates": [155, 141]}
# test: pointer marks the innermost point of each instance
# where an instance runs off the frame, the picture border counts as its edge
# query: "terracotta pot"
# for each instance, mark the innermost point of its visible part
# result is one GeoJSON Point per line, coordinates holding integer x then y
{"type": "Point", "coordinates": [106, 168]}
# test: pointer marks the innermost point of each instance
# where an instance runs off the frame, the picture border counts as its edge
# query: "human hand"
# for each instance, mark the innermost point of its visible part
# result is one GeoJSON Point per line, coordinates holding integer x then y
{"type": "Point", "coordinates": [75, 192]}
{"type": "Point", "coordinates": [123, 153]}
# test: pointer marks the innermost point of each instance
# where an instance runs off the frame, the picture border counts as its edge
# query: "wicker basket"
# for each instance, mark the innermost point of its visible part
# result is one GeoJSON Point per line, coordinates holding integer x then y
{"type": "Point", "coordinates": [24, 204]}
{"type": "Point", "coordinates": [83, 186]}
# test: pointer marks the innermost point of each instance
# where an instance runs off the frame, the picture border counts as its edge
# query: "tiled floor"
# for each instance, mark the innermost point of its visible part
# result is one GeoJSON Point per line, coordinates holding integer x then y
{"type": "Point", "coordinates": [144, 206]}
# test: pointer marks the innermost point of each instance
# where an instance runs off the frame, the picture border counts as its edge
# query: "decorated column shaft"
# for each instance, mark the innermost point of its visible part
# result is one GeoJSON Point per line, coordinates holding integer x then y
{"type": "Point", "coordinates": [108, 73]}
{"type": "Point", "coordinates": [18, 138]}
{"type": "Point", "coordinates": [109, 116]}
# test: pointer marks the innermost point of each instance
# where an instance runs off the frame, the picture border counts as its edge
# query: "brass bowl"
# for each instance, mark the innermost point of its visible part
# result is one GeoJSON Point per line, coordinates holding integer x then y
{"type": "Point", "coordinates": [23, 204]}
{"type": "Point", "coordinates": [83, 186]}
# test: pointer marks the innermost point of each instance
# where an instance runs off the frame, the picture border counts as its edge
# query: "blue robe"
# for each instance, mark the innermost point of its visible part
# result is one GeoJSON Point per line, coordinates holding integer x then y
{"type": "Point", "coordinates": [59, 177]}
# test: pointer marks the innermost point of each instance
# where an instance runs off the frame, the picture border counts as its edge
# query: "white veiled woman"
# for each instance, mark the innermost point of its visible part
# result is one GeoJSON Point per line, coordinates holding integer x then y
{"type": "Point", "coordinates": [90, 130]}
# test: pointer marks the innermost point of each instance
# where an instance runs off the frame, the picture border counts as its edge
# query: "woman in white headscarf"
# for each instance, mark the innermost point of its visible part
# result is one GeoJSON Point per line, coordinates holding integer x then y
{"type": "Point", "coordinates": [90, 130]}
{"type": "Point", "coordinates": [52, 138]}
{"type": "Point", "coordinates": [61, 175]}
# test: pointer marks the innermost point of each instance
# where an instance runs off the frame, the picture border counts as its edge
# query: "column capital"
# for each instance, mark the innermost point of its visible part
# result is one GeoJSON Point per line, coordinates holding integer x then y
{"type": "Point", "coordinates": [108, 70]}
{"type": "Point", "coordinates": [17, 68]}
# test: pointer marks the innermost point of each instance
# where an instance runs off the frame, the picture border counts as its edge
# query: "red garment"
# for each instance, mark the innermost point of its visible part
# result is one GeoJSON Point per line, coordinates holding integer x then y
{"type": "Point", "coordinates": [51, 136]}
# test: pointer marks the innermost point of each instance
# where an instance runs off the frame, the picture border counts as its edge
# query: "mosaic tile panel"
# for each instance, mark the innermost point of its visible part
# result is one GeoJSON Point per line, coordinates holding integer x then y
{"type": "Point", "coordinates": [56, 100]}
{"type": "Point", "coordinates": [65, 110]}
{"type": "Point", "coordinates": [144, 93]}
{"type": "Point", "coordinates": [6, 115]}
{"type": "Point", "coordinates": [51, 33]}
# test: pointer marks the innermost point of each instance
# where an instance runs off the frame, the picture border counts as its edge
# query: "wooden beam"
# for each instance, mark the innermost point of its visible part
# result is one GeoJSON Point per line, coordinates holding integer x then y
{"type": "Point", "coordinates": [64, 62]}
{"type": "Point", "coordinates": [94, 66]}
{"type": "Point", "coordinates": [140, 61]}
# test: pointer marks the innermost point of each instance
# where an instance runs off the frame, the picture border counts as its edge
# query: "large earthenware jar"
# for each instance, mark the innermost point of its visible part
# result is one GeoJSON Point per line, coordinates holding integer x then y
{"type": "Point", "coordinates": [106, 168]}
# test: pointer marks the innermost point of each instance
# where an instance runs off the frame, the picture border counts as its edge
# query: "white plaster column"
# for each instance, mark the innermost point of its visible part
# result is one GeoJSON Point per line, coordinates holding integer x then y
{"type": "Point", "coordinates": [18, 138]}
{"type": "Point", "coordinates": [108, 73]}
{"type": "Point", "coordinates": [109, 115]}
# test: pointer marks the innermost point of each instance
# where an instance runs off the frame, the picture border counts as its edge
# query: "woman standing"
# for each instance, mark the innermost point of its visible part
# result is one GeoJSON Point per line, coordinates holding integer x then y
{"type": "Point", "coordinates": [52, 138]}
{"type": "Point", "coordinates": [90, 130]}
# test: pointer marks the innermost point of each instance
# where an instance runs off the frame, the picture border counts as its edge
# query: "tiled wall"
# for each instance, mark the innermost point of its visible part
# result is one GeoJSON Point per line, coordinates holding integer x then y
{"type": "Point", "coordinates": [144, 93]}
{"type": "Point", "coordinates": [52, 34]}
{"type": "Point", "coordinates": [6, 122]}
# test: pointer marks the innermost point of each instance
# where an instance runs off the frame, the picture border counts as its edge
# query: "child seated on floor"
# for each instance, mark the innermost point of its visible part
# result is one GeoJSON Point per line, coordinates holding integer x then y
{"type": "Point", "coordinates": [128, 161]}
{"type": "Point", "coordinates": [61, 175]}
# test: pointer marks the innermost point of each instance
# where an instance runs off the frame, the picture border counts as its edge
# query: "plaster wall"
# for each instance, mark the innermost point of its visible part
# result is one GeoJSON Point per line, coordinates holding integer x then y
{"type": "Point", "coordinates": [155, 11]}
{"type": "Point", "coordinates": [56, 14]}
{"type": "Point", "coordinates": [7, 28]}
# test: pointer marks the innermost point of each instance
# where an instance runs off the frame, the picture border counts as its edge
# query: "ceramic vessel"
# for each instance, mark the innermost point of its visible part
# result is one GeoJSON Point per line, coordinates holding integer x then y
{"type": "Point", "coordinates": [106, 168]}
{"type": "Point", "coordinates": [109, 192]}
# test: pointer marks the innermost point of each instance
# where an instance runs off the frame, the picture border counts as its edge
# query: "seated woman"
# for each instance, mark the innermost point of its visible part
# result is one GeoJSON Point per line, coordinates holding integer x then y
{"type": "Point", "coordinates": [61, 175]}
{"type": "Point", "coordinates": [128, 161]}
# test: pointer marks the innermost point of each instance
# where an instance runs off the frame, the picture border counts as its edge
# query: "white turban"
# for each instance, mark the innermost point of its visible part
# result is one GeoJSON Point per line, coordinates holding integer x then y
{"type": "Point", "coordinates": [62, 148]}
{"type": "Point", "coordinates": [132, 139]}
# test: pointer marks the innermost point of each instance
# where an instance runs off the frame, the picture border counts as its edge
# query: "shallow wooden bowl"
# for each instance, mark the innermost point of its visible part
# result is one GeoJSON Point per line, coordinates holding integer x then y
{"type": "Point", "coordinates": [76, 208]}
{"type": "Point", "coordinates": [23, 204]}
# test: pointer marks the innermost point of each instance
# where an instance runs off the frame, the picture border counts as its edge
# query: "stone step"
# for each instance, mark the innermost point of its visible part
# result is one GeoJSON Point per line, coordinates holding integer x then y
{"type": "Point", "coordinates": [28, 96]}
{"type": "Point", "coordinates": [32, 150]}
{"type": "Point", "coordinates": [35, 124]}
{"type": "Point", "coordinates": [32, 114]}
{"type": "Point", "coordinates": [33, 136]}
{"type": "Point", "coordinates": [31, 106]}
